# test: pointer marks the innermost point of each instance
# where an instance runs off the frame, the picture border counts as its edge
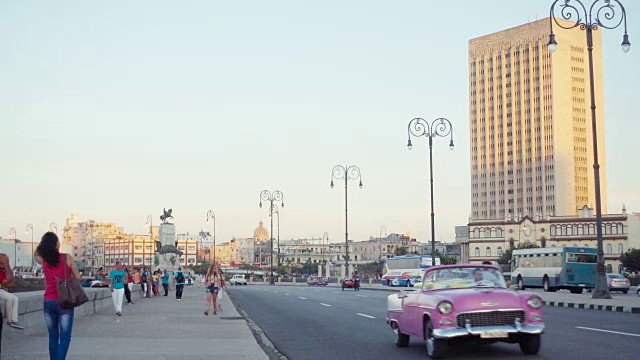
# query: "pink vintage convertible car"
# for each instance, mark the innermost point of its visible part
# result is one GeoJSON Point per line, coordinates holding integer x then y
{"type": "Point", "coordinates": [465, 303]}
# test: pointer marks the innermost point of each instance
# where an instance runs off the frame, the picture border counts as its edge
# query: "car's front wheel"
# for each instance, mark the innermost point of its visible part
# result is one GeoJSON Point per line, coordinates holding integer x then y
{"type": "Point", "coordinates": [399, 339]}
{"type": "Point", "coordinates": [530, 344]}
{"type": "Point", "coordinates": [436, 348]}
{"type": "Point", "coordinates": [520, 283]}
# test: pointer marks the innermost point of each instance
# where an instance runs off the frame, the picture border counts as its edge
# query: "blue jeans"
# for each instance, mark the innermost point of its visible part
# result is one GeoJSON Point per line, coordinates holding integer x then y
{"type": "Point", "coordinates": [60, 323]}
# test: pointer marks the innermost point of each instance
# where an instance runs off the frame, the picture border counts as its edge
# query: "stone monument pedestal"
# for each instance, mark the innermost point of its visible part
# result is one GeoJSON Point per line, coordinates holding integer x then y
{"type": "Point", "coordinates": [166, 261]}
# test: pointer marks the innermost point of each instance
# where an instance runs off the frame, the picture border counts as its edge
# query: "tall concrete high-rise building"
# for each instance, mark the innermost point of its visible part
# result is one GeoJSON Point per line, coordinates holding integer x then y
{"type": "Point", "coordinates": [530, 123]}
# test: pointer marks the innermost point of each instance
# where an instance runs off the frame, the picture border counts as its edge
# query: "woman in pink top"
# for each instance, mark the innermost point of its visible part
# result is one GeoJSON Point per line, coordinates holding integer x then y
{"type": "Point", "coordinates": [59, 320]}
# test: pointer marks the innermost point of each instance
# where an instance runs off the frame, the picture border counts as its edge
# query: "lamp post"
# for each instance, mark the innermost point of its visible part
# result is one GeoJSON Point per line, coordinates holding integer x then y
{"type": "Point", "coordinates": [385, 233]}
{"type": "Point", "coordinates": [149, 223]}
{"type": "Point", "coordinates": [30, 229]}
{"type": "Point", "coordinates": [53, 226]}
{"type": "Point", "coordinates": [265, 195]}
{"type": "Point", "coordinates": [275, 210]}
{"type": "Point", "coordinates": [15, 248]}
{"type": "Point", "coordinates": [347, 173]}
{"type": "Point", "coordinates": [606, 15]}
{"type": "Point", "coordinates": [212, 215]}
{"type": "Point", "coordinates": [439, 127]}
{"type": "Point", "coordinates": [325, 240]}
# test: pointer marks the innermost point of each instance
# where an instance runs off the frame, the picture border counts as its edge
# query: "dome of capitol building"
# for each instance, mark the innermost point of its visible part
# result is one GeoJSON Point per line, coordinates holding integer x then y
{"type": "Point", "coordinates": [260, 233]}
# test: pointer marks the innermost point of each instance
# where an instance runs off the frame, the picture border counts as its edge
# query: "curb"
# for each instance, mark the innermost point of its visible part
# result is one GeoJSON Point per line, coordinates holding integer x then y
{"type": "Point", "coordinates": [612, 308]}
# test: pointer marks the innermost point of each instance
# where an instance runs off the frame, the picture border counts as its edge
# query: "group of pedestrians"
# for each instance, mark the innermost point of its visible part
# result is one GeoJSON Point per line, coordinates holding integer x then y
{"type": "Point", "coordinates": [59, 320]}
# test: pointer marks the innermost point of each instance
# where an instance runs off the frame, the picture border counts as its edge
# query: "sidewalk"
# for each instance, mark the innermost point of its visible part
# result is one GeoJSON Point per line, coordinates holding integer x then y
{"type": "Point", "coordinates": [156, 328]}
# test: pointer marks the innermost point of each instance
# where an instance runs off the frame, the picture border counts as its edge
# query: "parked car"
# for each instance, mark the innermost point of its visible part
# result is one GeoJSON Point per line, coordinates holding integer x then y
{"type": "Point", "coordinates": [238, 279]}
{"type": "Point", "coordinates": [323, 281]}
{"type": "Point", "coordinates": [312, 281]}
{"type": "Point", "coordinates": [618, 282]}
{"type": "Point", "coordinates": [463, 303]}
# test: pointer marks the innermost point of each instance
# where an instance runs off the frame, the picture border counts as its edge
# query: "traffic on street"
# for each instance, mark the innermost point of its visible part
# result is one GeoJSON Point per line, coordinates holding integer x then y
{"type": "Point", "coordinates": [320, 323]}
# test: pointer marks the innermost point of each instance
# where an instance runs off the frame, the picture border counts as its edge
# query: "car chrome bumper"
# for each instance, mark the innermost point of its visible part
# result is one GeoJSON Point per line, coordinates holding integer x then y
{"type": "Point", "coordinates": [517, 328]}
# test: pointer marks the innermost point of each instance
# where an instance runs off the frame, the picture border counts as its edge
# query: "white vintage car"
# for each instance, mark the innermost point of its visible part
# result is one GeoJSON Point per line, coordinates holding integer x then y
{"type": "Point", "coordinates": [238, 280]}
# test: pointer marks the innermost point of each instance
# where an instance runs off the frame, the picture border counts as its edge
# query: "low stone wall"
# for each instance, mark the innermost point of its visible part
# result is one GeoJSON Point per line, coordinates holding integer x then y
{"type": "Point", "coordinates": [30, 309]}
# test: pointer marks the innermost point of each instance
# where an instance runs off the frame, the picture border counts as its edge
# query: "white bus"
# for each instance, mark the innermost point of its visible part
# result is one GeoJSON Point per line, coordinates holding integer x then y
{"type": "Point", "coordinates": [571, 268]}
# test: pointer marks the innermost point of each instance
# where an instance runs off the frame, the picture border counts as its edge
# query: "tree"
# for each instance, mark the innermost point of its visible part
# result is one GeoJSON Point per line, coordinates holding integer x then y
{"type": "Point", "coordinates": [631, 259]}
{"type": "Point", "coordinates": [447, 260]}
{"type": "Point", "coordinates": [505, 258]}
{"type": "Point", "coordinates": [402, 250]}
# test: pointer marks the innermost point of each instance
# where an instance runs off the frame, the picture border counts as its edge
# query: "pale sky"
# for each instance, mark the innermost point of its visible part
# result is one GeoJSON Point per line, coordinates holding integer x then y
{"type": "Point", "coordinates": [116, 109]}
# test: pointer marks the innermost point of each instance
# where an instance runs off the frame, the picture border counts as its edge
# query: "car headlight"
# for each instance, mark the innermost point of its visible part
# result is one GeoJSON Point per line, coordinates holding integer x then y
{"type": "Point", "coordinates": [445, 307]}
{"type": "Point", "coordinates": [535, 302]}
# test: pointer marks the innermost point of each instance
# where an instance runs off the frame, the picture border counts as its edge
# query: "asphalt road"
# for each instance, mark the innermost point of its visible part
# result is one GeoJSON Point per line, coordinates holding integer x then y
{"type": "Point", "coordinates": [326, 323]}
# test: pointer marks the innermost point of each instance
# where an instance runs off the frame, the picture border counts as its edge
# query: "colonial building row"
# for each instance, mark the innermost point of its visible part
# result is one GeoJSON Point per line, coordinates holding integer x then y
{"type": "Point", "coordinates": [486, 240]}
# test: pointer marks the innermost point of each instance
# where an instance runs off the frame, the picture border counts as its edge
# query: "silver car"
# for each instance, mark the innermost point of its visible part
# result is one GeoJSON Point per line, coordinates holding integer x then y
{"type": "Point", "coordinates": [618, 283]}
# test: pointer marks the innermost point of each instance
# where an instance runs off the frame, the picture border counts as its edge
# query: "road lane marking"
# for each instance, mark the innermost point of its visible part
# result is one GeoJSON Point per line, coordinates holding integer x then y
{"type": "Point", "coordinates": [367, 316]}
{"type": "Point", "coordinates": [607, 331]}
{"type": "Point", "coordinates": [323, 304]}
{"type": "Point", "coordinates": [287, 294]}
{"type": "Point", "coordinates": [362, 295]}
{"type": "Point", "coordinates": [302, 298]}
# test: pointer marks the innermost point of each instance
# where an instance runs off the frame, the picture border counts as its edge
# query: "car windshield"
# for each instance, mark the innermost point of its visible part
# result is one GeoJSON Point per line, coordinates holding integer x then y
{"type": "Point", "coordinates": [615, 276]}
{"type": "Point", "coordinates": [463, 277]}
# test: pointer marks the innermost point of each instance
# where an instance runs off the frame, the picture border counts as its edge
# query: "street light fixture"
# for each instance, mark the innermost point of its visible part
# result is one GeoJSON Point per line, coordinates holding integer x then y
{"type": "Point", "coordinates": [15, 248]}
{"type": "Point", "coordinates": [438, 127]}
{"type": "Point", "coordinates": [265, 195]}
{"type": "Point", "coordinates": [30, 229]}
{"type": "Point", "coordinates": [347, 173]}
{"type": "Point", "coordinates": [385, 233]}
{"type": "Point", "coordinates": [212, 215]}
{"type": "Point", "coordinates": [603, 15]}
{"type": "Point", "coordinates": [53, 227]}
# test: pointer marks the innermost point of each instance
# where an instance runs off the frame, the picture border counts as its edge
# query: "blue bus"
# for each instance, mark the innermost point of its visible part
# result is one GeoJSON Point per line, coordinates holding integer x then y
{"type": "Point", "coordinates": [403, 270]}
{"type": "Point", "coordinates": [571, 268]}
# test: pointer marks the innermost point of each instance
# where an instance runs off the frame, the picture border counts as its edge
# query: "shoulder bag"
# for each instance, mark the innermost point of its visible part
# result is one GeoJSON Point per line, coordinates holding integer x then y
{"type": "Point", "coordinates": [70, 293]}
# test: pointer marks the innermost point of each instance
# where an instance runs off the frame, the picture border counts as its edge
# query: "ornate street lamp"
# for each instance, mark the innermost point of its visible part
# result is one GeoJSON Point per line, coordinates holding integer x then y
{"type": "Point", "coordinates": [149, 223]}
{"type": "Point", "coordinates": [30, 229]}
{"type": "Point", "coordinates": [439, 127]}
{"type": "Point", "coordinates": [605, 14]}
{"type": "Point", "coordinates": [347, 173]}
{"type": "Point", "coordinates": [265, 195]}
{"type": "Point", "coordinates": [212, 215]}
{"type": "Point", "coordinates": [385, 233]}
{"type": "Point", "coordinates": [12, 231]}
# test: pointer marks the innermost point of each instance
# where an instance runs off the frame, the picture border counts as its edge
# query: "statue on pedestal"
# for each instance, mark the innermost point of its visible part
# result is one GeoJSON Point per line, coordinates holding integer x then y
{"type": "Point", "coordinates": [167, 254]}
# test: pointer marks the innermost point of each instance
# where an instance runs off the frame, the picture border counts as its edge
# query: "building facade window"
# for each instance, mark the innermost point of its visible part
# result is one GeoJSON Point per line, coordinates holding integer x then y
{"type": "Point", "coordinates": [499, 251]}
{"type": "Point", "coordinates": [477, 252]}
{"type": "Point", "coordinates": [609, 249]}
{"type": "Point", "coordinates": [488, 251]}
{"type": "Point", "coordinates": [620, 249]}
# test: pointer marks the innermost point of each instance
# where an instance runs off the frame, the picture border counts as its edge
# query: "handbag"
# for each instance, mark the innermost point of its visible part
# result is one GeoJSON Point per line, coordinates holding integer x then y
{"type": "Point", "coordinates": [70, 292]}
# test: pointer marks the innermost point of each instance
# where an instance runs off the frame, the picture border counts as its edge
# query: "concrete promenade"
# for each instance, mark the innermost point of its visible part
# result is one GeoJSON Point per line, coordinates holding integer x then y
{"type": "Point", "coordinates": [156, 328]}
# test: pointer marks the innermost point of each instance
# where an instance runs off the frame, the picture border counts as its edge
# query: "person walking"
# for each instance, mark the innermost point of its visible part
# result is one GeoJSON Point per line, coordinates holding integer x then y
{"type": "Point", "coordinates": [213, 287]}
{"type": "Point", "coordinates": [59, 320]}
{"type": "Point", "coordinates": [165, 282]}
{"type": "Point", "coordinates": [128, 285]}
{"type": "Point", "coordinates": [11, 301]}
{"type": "Point", "coordinates": [179, 276]}
{"type": "Point", "coordinates": [147, 271]}
{"type": "Point", "coordinates": [117, 287]}
{"type": "Point", "coordinates": [223, 287]}
{"type": "Point", "coordinates": [143, 281]}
